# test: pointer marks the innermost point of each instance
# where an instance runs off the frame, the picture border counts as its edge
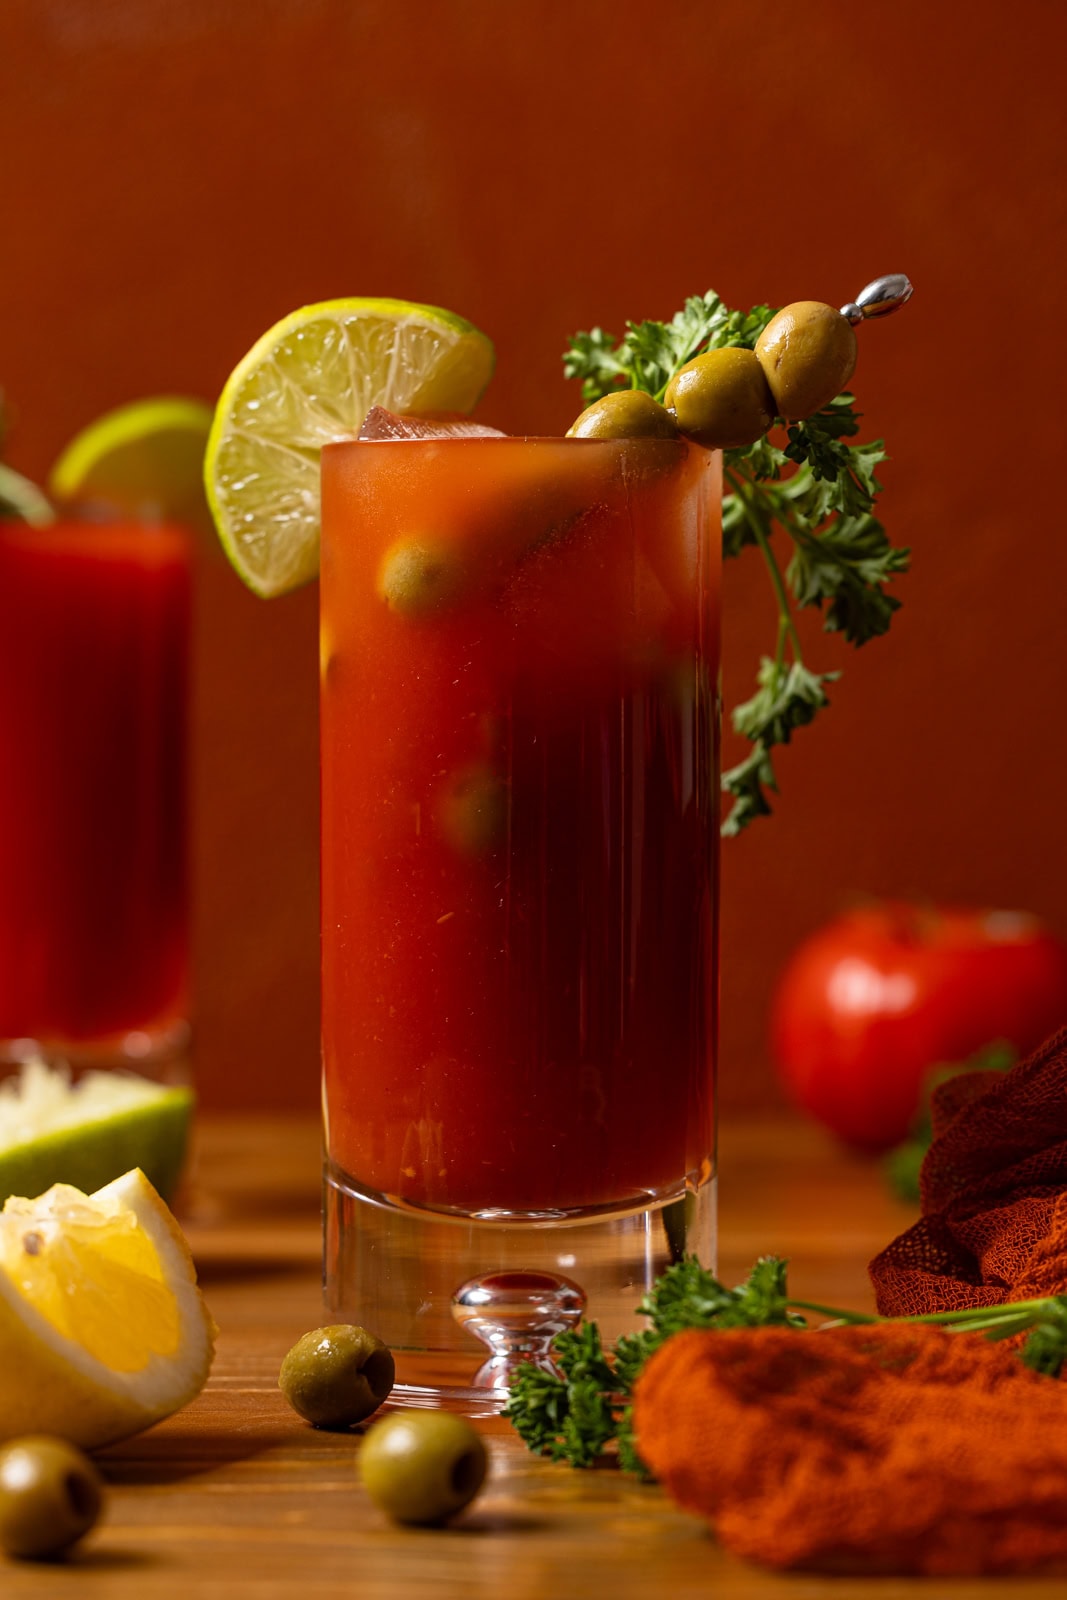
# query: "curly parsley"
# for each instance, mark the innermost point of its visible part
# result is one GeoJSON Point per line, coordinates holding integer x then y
{"type": "Point", "coordinates": [816, 487]}
{"type": "Point", "coordinates": [582, 1413]}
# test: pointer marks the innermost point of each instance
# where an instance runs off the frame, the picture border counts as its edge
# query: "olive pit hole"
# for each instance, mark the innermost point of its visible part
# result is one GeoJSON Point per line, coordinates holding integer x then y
{"type": "Point", "coordinates": [466, 1474]}
{"type": "Point", "coordinates": [80, 1494]}
{"type": "Point", "coordinates": [379, 1370]}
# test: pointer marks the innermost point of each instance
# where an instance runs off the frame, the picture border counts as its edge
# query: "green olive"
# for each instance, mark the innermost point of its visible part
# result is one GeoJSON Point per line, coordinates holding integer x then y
{"type": "Point", "coordinates": [337, 1376]}
{"type": "Point", "coordinates": [50, 1495]}
{"type": "Point", "coordinates": [629, 414]}
{"type": "Point", "coordinates": [422, 1466]}
{"type": "Point", "coordinates": [808, 354]}
{"type": "Point", "coordinates": [473, 810]}
{"type": "Point", "coordinates": [419, 577]}
{"type": "Point", "coordinates": [721, 399]}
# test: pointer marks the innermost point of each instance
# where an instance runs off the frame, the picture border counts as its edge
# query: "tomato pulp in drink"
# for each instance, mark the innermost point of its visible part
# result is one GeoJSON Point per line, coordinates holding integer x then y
{"type": "Point", "coordinates": [519, 820]}
{"type": "Point", "coordinates": [94, 623]}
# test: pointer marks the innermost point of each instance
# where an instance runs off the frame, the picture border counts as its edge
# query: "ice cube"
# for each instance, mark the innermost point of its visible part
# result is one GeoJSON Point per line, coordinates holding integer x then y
{"type": "Point", "coordinates": [382, 424]}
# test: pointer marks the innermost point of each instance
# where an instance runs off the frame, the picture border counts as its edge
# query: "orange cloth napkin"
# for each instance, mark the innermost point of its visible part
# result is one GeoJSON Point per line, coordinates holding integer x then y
{"type": "Point", "coordinates": [895, 1448]}
{"type": "Point", "coordinates": [878, 1449]}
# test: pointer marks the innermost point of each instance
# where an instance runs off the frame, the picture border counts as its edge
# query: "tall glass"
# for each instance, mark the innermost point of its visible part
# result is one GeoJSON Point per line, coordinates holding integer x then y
{"type": "Point", "coordinates": [519, 656]}
{"type": "Point", "coordinates": [94, 629]}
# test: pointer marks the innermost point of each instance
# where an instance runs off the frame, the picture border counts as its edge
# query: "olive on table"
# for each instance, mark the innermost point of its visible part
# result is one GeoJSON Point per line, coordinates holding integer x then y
{"type": "Point", "coordinates": [721, 399]}
{"type": "Point", "coordinates": [419, 577]}
{"type": "Point", "coordinates": [628, 414]}
{"type": "Point", "coordinates": [50, 1495]}
{"type": "Point", "coordinates": [808, 354]}
{"type": "Point", "coordinates": [337, 1376]}
{"type": "Point", "coordinates": [422, 1466]}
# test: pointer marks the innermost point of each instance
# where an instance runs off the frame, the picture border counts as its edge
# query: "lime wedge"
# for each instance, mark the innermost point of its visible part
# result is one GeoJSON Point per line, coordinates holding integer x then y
{"type": "Point", "coordinates": [23, 500]}
{"type": "Point", "coordinates": [145, 460]}
{"type": "Point", "coordinates": [309, 380]}
{"type": "Point", "coordinates": [89, 1132]}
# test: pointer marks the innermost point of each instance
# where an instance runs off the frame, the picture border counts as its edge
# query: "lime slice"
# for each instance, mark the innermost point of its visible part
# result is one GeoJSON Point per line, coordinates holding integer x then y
{"type": "Point", "coordinates": [22, 499]}
{"type": "Point", "coordinates": [309, 380]}
{"type": "Point", "coordinates": [89, 1132]}
{"type": "Point", "coordinates": [145, 460]}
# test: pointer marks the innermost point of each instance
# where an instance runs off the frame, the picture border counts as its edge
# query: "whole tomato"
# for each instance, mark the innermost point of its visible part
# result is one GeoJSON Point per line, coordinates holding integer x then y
{"type": "Point", "coordinates": [872, 1001]}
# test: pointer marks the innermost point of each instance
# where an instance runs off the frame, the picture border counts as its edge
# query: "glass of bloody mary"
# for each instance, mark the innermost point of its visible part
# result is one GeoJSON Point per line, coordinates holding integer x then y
{"type": "Point", "coordinates": [94, 627]}
{"type": "Point", "coordinates": [520, 800]}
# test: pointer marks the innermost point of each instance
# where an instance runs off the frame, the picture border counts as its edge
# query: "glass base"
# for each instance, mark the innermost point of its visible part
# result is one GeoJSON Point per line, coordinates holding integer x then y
{"type": "Point", "coordinates": [442, 1383]}
{"type": "Point", "coordinates": [160, 1051]}
{"type": "Point", "coordinates": [396, 1271]}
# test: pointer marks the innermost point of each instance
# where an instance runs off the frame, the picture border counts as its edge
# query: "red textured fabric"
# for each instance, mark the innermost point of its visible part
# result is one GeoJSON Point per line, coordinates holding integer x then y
{"type": "Point", "coordinates": [994, 1194]}
{"type": "Point", "coordinates": [882, 1450]}
{"type": "Point", "coordinates": [896, 1449]}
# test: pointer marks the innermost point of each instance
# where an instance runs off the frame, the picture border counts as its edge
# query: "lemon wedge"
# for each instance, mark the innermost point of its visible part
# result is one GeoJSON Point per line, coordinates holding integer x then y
{"type": "Point", "coordinates": [310, 380]}
{"type": "Point", "coordinates": [103, 1330]}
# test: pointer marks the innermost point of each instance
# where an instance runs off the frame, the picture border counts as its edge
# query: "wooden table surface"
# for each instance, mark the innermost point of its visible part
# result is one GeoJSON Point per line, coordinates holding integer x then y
{"type": "Point", "coordinates": [237, 1497]}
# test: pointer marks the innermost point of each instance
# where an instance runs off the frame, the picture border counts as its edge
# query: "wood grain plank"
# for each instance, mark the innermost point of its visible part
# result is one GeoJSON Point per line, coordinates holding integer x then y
{"type": "Point", "coordinates": [237, 1499]}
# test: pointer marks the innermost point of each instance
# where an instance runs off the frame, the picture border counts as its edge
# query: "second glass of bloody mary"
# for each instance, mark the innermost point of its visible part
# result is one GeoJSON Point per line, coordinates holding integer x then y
{"type": "Point", "coordinates": [520, 802]}
{"type": "Point", "coordinates": [94, 640]}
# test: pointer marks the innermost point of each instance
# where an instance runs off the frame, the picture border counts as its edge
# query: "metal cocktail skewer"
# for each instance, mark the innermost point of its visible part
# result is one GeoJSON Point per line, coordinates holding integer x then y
{"type": "Point", "coordinates": [879, 298]}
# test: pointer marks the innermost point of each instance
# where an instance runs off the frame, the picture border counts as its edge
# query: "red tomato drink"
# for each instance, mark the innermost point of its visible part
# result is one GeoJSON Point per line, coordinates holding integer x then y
{"type": "Point", "coordinates": [519, 821]}
{"type": "Point", "coordinates": [93, 647]}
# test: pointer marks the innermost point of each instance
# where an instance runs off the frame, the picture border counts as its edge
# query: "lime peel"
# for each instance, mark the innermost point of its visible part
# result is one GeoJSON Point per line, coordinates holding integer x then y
{"type": "Point", "coordinates": [91, 1131]}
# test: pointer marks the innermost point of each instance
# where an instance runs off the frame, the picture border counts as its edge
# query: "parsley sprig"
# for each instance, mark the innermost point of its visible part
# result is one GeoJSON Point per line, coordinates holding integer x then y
{"type": "Point", "coordinates": [575, 1417]}
{"type": "Point", "coordinates": [583, 1413]}
{"type": "Point", "coordinates": [811, 483]}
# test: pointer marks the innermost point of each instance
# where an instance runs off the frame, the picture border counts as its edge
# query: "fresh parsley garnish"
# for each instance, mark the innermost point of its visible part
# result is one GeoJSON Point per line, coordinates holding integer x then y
{"type": "Point", "coordinates": [652, 352]}
{"type": "Point", "coordinates": [576, 1416]}
{"type": "Point", "coordinates": [583, 1412]}
{"type": "Point", "coordinates": [813, 484]}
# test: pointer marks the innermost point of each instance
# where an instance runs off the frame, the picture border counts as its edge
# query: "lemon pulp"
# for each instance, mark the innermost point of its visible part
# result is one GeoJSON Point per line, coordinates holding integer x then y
{"type": "Point", "coordinates": [93, 1274]}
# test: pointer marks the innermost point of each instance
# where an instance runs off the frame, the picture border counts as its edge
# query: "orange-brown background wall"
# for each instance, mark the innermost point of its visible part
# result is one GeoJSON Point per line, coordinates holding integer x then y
{"type": "Point", "coordinates": [177, 176]}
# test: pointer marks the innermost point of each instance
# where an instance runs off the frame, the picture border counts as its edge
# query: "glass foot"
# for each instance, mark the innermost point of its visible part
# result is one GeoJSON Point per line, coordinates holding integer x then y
{"type": "Point", "coordinates": [516, 1315]}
